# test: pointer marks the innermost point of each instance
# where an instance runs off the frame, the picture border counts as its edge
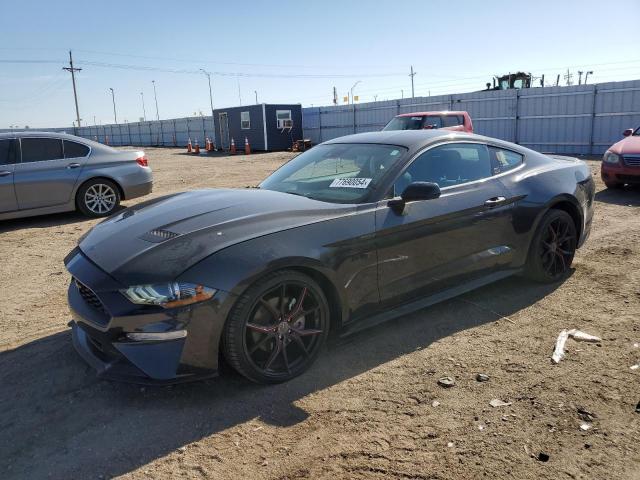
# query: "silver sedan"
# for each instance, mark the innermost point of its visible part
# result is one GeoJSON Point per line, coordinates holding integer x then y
{"type": "Point", "coordinates": [43, 172]}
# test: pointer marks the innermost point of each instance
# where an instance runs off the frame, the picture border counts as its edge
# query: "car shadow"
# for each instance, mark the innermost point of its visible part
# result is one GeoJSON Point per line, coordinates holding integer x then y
{"type": "Point", "coordinates": [57, 419]}
{"type": "Point", "coordinates": [628, 196]}
{"type": "Point", "coordinates": [46, 221]}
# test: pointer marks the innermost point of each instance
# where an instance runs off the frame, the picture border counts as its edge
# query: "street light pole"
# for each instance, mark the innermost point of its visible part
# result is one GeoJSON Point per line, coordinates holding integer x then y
{"type": "Point", "coordinates": [354, 86]}
{"type": "Point", "coordinates": [210, 94]}
{"type": "Point", "coordinates": [144, 112]}
{"type": "Point", "coordinates": [256, 92]}
{"type": "Point", "coordinates": [113, 98]}
{"type": "Point", "coordinates": [155, 96]}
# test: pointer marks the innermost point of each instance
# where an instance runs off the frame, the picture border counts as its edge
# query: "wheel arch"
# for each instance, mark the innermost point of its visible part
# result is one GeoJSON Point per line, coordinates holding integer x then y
{"type": "Point", "coordinates": [571, 207]}
{"type": "Point", "coordinates": [98, 177]}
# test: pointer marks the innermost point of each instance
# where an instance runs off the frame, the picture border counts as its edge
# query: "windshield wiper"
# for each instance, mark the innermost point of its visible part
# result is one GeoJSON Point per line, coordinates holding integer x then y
{"type": "Point", "coordinates": [298, 194]}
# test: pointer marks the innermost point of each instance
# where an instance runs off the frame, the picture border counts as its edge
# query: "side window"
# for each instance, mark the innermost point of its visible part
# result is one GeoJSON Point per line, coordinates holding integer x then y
{"type": "Point", "coordinates": [245, 121]}
{"type": "Point", "coordinates": [447, 165]}
{"type": "Point", "coordinates": [75, 150]}
{"type": "Point", "coordinates": [41, 149]}
{"type": "Point", "coordinates": [8, 151]}
{"type": "Point", "coordinates": [432, 122]}
{"type": "Point", "coordinates": [505, 160]}
{"type": "Point", "coordinates": [453, 120]}
{"type": "Point", "coordinates": [283, 118]}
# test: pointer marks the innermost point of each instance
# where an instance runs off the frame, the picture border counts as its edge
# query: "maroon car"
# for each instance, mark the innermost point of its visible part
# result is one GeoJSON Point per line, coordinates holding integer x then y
{"type": "Point", "coordinates": [621, 162]}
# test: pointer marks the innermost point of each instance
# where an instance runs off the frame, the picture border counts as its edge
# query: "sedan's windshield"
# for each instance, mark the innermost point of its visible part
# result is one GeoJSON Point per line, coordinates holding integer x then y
{"type": "Point", "coordinates": [338, 173]}
{"type": "Point", "coordinates": [417, 122]}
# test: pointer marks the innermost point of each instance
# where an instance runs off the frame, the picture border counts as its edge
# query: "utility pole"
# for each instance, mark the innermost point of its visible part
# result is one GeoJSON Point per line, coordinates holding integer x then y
{"type": "Point", "coordinates": [155, 96]}
{"type": "Point", "coordinates": [579, 77]}
{"type": "Point", "coordinates": [568, 77]}
{"type": "Point", "coordinates": [73, 70]}
{"type": "Point", "coordinates": [412, 74]}
{"type": "Point", "coordinates": [586, 75]}
{"type": "Point", "coordinates": [335, 96]}
{"type": "Point", "coordinates": [256, 92]}
{"type": "Point", "coordinates": [558, 80]}
{"type": "Point", "coordinates": [210, 94]}
{"type": "Point", "coordinates": [113, 99]}
{"type": "Point", "coordinates": [144, 111]}
{"type": "Point", "coordinates": [402, 94]}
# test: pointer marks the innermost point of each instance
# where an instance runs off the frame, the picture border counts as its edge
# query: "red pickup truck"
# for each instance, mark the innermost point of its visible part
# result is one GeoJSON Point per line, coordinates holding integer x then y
{"type": "Point", "coordinates": [457, 121]}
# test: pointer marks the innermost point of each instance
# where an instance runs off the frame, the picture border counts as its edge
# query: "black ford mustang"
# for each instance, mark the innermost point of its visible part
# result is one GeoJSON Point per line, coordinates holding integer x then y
{"type": "Point", "coordinates": [355, 231]}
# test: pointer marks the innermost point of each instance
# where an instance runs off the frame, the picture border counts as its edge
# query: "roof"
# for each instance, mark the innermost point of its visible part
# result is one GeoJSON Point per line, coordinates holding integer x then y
{"type": "Point", "coordinates": [403, 138]}
{"type": "Point", "coordinates": [444, 112]}
{"type": "Point", "coordinates": [37, 133]}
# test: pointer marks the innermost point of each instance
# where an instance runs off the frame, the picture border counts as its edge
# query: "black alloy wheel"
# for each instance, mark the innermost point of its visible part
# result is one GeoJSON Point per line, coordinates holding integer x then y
{"type": "Point", "coordinates": [277, 329]}
{"type": "Point", "coordinates": [553, 247]}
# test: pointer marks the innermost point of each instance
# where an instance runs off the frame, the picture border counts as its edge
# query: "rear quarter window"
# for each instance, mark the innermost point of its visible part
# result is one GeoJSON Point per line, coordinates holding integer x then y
{"type": "Point", "coordinates": [452, 120]}
{"type": "Point", "coordinates": [505, 160]}
{"type": "Point", "coordinates": [75, 149]}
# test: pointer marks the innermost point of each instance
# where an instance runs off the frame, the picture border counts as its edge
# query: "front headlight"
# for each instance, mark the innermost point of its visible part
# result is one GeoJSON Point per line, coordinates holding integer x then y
{"type": "Point", "coordinates": [168, 295]}
{"type": "Point", "coordinates": [610, 157]}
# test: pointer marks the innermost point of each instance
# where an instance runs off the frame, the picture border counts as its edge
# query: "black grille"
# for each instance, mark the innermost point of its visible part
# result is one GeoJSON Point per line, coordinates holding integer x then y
{"type": "Point", "coordinates": [632, 160]}
{"type": "Point", "coordinates": [87, 294]}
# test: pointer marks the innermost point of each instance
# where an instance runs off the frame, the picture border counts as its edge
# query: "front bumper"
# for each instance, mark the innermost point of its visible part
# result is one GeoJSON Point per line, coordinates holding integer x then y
{"type": "Point", "coordinates": [619, 173]}
{"type": "Point", "coordinates": [101, 318]}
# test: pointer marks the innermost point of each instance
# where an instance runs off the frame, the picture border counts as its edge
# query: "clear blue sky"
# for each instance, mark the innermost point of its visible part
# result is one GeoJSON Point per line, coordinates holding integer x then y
{"type": "Point", "coordinates": [281, 49]}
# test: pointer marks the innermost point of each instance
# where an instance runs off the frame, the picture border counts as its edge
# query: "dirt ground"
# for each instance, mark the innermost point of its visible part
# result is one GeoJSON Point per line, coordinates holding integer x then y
{"type": "Point", "coordinates": [369, 407]}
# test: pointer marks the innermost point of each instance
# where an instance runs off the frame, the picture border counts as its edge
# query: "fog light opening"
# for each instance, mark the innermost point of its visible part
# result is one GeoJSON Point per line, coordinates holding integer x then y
{"type": "Point", "coordinates": [156, 336]}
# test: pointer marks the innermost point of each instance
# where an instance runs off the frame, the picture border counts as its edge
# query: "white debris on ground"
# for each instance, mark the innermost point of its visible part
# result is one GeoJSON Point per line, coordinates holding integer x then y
{"type": "Point", "coordinates": [558, 352]}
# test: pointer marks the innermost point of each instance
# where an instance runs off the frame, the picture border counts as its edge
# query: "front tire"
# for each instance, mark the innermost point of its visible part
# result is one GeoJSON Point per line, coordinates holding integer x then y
{"type": "Point", "coordinates": [552, 248]}
{"type": "Point", "coordinates": [98, 198]}
{"type": "Point", "coordinates": [277, 327]}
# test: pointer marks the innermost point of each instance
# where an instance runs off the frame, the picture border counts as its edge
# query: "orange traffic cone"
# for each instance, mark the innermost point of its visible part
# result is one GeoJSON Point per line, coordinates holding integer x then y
{"type": "Point", "coordinates": [247, 147]}
{"type": "Point", "coordinates": [233, 147]}
{"type": "Point", "coordinates": [189, 148]}
{"type": "Point", "coordinates": [197, 150]}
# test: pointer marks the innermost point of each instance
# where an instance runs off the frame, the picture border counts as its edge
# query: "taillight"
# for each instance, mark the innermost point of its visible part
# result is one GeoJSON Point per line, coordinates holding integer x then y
{"type": "Point", "coordinates": [142, 161]}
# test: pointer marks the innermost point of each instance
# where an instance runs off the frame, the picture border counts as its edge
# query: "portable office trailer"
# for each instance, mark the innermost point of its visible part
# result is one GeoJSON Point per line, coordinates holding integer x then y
{"type": "Point", "coordinates": [268, 127]}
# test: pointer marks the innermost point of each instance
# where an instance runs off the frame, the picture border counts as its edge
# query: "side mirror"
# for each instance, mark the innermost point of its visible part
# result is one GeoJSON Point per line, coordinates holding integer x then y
{"type": "Point", "coordinates": [414, 192]}
{"type": "Point", "coordinates": [627, 132]}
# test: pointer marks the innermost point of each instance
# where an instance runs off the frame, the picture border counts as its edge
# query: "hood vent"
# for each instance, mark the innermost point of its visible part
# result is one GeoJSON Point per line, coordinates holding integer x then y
{"type": "Point", "coordinates": [159, 235]}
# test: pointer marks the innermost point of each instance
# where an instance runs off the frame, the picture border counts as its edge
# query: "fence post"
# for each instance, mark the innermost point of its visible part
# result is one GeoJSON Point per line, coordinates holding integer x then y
{"type": "Point", "coordinates": [515, 128]}
{"type": "Point", "coordinates": [161, 133]}
{"type": "Point", "coordinates": [593, 119]}
{"type": "Point", "coordinates": [354, 116]}
{"type": "Point", "coordinates": [320, 124]}
{"type": "Point", "coordinates": [175, 134]}
{"type": "Point", "coordinates": [129, 131]}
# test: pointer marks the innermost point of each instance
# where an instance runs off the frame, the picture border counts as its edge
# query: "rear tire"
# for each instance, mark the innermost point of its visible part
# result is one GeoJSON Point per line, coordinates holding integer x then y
{"type": "Point", "coordinates": [98, 198]}
{"type": "Point", "coordinates": [552, 248]}
{"type": "Point", "coordinates": [277, 327]}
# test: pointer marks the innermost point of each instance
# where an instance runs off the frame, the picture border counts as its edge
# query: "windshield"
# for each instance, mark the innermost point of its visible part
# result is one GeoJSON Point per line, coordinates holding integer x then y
{"type": "Point", "coordinates": [337, 173]}
{"type": "Point", "coordinates": [417, 122]}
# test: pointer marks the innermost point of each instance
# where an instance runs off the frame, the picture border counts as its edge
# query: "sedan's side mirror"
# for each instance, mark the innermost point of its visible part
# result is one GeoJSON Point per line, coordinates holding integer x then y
{"type": "Point", "coordinates": [414, 192]}
{"type": "Point", "coordinates": [627, 132]}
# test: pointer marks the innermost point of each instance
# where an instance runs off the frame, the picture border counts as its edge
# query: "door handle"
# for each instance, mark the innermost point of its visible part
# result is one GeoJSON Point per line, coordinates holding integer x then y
{"type": "Point", "coordinates": [5, 173]}
{"type": "Point", "coordinates": [73, 165]}
{"type": "Point", "coordinates": [494, 201]}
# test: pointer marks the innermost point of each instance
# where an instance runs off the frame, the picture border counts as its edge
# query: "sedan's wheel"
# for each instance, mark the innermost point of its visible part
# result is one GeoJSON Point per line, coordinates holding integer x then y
{"type": "Point", "coordinates": [277, 328]}
{"type": "Point", "coordinates": [98, 198]}
{"type": "Point", "coordinates": [552, 248]}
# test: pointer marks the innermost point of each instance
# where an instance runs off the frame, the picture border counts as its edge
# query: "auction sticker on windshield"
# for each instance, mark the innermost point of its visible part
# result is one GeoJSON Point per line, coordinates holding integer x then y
{"type": "Point", "coordinates": [350, 183]}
